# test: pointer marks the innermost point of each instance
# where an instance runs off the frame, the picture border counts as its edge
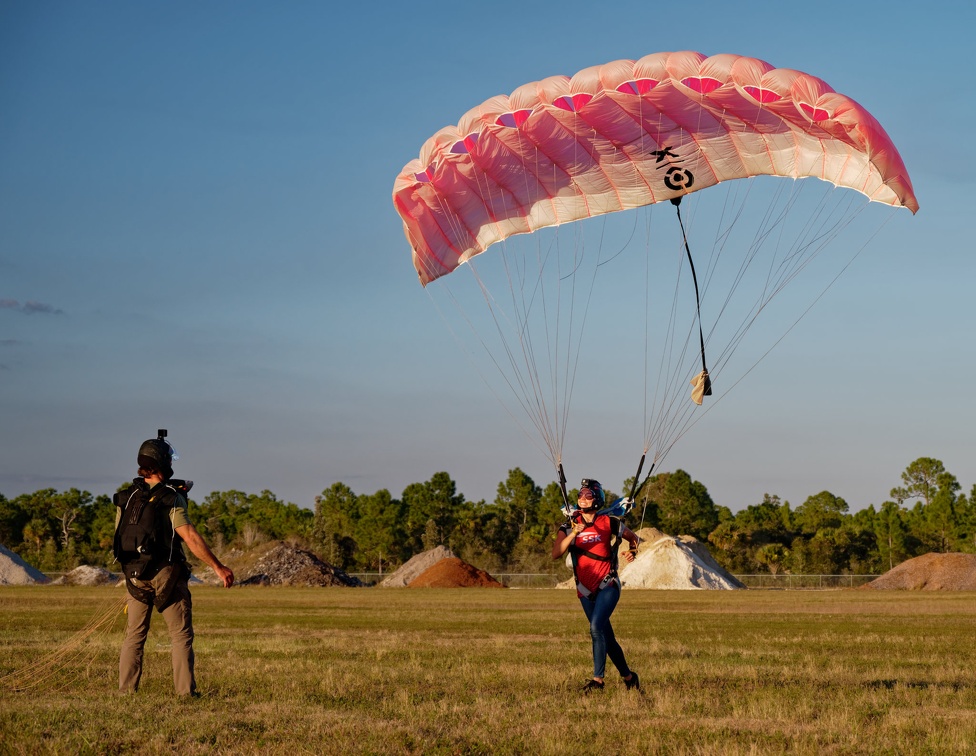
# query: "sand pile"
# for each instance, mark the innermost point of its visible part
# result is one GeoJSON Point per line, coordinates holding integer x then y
{"type": "Point", "coordinates": [277, 563]}
{"type": "Point", "coordinates": [87, 575]}
{"type": "Point", "coordinates": [15, 571]}
{"type": "Point", "coordinates": [664, 562]}
{"type": "Point", "coordinates": [930, 572]}
{"type": "Point", "coordinates": [668, 563]}
{"type": "Point", "coordinates": [414, 566]}
{"type": "Point", "coordinates": [454, 573]}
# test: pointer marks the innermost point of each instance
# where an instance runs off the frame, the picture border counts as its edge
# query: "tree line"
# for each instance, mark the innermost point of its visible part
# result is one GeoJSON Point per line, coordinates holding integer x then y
{"type": "Point", "coordinates": [57, 531]}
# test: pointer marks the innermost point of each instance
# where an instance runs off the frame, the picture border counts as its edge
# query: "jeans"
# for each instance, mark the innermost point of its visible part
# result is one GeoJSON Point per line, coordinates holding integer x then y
{"type": "Point", "coordinates": [598, 611]}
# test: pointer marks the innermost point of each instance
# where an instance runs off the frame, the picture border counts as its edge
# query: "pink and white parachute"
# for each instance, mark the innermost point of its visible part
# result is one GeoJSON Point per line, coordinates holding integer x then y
{"type": "Point", "coordinates": [628, 134]}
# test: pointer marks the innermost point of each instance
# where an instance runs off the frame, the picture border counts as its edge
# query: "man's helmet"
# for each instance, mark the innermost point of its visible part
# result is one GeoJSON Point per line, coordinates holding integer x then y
{"type": "Point", "coordinates": [157, 454]}
{"type": "Point", "coordinates": [591, 490]}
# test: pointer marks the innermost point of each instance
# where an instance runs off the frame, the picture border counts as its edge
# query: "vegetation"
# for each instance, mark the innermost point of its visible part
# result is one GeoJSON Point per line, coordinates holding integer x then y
{"type": "Point", "coordinates": [467, 671]}
{"type": "Point", "coordinates": [363, 532]}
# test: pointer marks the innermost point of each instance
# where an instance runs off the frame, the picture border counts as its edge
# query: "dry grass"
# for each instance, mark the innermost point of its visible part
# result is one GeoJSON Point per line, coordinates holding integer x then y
{"type": "Point", "coordinates": [486, 671]}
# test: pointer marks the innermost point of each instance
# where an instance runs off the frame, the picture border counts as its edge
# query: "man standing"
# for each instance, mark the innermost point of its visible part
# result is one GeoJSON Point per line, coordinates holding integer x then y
{"type": "Point", "coordinates": [151, 528]}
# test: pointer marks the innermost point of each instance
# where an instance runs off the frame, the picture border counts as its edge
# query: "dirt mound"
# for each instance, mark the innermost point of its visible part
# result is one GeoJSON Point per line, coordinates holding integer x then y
{"type": "Point", "coordinates": [277, 563]}
{"type": "Point", "coordinates": [15, 571]}
{"type": "Point", "coordinates": [454, 573]}
{"type": "Point", "coordinates": [414, 566]}
{"type": "Point", "coordinates": [930, 572]}
{"type": "Point", "coordinates": [87, 575]}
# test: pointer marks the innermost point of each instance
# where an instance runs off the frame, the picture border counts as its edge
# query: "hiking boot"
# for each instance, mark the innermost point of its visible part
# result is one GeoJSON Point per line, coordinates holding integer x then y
{"type": "Point", "coordinates": [634, 682]}
{"type": "Point", "coordinates": [592, 685]}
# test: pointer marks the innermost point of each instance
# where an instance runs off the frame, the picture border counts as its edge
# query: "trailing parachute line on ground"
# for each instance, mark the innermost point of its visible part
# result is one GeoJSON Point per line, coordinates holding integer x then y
{"type": "Point", "coordinates": [621, 136]}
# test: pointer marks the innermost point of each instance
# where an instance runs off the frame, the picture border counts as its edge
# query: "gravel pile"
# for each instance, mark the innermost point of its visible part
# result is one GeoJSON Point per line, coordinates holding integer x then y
{"type": "Point", "coordinates": [87, 575]}
{"type": "Point", "coordinates": [282, 564]}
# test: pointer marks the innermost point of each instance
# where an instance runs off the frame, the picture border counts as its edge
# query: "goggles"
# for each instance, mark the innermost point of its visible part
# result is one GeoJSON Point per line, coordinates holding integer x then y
{"type": "Point", "coordinates": [588, 494]}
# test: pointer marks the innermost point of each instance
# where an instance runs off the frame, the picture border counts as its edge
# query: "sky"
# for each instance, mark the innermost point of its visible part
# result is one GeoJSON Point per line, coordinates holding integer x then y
{"type": "Point", "coordinates": [197, 234]}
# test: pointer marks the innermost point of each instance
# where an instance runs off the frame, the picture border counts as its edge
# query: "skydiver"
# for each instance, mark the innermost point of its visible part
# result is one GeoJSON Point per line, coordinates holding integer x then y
{"type": "Point", "coordinates": [592, 540]}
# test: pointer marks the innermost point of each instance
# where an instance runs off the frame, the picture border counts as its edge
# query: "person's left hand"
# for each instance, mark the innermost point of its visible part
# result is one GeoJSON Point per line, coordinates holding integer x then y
{"type": "Point", "coordinates": [225, 574]}
{"type": "Point", "coordinates": [631, 555]}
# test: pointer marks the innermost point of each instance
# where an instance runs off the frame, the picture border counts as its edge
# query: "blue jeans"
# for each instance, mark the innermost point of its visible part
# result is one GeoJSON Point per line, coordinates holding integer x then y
{"type": "Point", "coordinates": [598, 611]}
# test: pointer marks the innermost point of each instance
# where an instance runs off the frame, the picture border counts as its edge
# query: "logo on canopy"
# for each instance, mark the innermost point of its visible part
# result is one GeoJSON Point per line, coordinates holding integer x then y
{"type": "Point", "coordinates": [679, 179]}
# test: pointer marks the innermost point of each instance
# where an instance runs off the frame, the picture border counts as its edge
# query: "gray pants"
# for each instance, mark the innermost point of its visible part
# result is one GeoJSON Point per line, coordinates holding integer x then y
{"type": "Point", "coordinates": [179, 620]}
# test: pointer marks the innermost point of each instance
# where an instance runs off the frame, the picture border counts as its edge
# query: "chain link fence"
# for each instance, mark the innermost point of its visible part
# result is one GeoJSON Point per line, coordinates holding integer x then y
{"type": "Point", "coordinates": [510, 579]}
{"type": "Point", "coordinates": [756, 582]}
{"type": "Point", "coordinates": [803, 582]}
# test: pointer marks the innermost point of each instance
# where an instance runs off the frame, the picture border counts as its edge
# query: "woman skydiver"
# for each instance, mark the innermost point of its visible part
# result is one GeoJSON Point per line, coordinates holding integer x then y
{"type": "Point", "coordinates": [592, 539]}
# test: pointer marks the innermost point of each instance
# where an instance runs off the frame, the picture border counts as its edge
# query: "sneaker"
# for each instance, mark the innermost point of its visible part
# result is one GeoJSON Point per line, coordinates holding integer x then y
{"type": "Point", "coordinates": [634, 682]}
{"type": "Point", "coordinates": [592, 685]}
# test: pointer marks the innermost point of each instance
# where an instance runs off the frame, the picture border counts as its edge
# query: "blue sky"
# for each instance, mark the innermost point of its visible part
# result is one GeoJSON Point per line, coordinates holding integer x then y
{"type": "Point", "coordinates": [197, 233]}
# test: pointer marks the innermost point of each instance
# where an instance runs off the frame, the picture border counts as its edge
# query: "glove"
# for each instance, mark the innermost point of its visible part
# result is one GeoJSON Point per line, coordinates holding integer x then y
{"type": "Point", "coordinates": [625, 504]}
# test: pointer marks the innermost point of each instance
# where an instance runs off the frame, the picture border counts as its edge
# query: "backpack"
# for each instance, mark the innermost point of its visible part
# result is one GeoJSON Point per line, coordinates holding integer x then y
{"type": "Point", "coordinates": [145, 538]}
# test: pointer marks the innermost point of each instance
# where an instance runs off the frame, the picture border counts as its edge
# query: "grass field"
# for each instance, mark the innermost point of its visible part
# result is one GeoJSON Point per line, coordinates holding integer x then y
{"type": "Point", "coordinates": [472, 671]}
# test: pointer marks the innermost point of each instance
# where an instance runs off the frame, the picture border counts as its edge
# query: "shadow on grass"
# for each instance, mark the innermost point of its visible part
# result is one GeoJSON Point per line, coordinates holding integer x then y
{"type": "Point", "coordinates": [954, 686]}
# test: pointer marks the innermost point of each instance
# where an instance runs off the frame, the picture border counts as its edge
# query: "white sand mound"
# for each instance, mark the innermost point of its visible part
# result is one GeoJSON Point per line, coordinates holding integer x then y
{"type": "Point", "coordinates": [15, 571]}
{"type": "Point", "coordinates": [668, 563]}
{"type": "Point", "coordinates": [87, 575]}
{"type": "Point", "coordinates": [413, 567]}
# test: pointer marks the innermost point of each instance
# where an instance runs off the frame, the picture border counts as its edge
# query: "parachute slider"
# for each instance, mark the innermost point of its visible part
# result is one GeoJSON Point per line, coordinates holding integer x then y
{"type": "Point", "coordinates": [702, 387]}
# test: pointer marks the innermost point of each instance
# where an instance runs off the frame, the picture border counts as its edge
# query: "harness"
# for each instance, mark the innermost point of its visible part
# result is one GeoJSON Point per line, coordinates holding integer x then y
{"type": "Point", "coordinates": [143, 542]}
{"type": "Point", "coordinates": [576, 552]}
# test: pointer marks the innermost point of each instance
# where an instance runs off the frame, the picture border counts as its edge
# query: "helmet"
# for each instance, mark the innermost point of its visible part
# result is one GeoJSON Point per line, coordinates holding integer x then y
{"type": "Point", "coordinates": [157, 454]}
{"type": "Point", "coordinates": [591, 489]}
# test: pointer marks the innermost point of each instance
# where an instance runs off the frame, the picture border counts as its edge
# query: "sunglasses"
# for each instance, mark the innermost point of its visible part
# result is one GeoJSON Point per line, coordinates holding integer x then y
{"type": "Point", "coordinates": [587, 494]}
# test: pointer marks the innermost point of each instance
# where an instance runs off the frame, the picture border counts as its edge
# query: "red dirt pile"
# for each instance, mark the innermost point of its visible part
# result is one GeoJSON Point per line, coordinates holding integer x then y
{"type": "Point", "coordinates": [453, 573]}
{"type": "Point", "coordinates": [930, 572]}
{"type": "Point", "coordinates": [414, 566]}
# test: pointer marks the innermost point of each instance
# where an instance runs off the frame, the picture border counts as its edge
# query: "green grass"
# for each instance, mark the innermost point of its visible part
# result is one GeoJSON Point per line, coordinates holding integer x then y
{"type": "Point", "coordinates": [474, 671]}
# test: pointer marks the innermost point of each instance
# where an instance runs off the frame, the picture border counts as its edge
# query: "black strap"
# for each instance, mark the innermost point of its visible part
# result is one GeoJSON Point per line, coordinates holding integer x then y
{"type": "Point", "coordinates": [701, 336]}
{"type": "Point", "coordinates": [577, 551]}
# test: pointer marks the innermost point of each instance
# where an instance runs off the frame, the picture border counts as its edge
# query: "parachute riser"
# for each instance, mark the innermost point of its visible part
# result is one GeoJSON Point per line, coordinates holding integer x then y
{"type": "Point", "coordinates": [562, 484]}
{"type": "Point", "coordinates": [639, 488]}
{"type": "Point", "coordinates": [634, 488]}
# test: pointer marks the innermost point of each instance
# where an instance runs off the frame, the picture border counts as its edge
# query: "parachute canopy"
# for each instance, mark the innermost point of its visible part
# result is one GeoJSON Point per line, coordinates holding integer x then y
{"type": "Point", "coordinates": [628, 134]}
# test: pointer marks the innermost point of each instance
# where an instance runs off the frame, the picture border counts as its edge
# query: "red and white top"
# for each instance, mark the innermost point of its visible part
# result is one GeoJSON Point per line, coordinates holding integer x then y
{"type": "Point", "coordinates": [595, 540]}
